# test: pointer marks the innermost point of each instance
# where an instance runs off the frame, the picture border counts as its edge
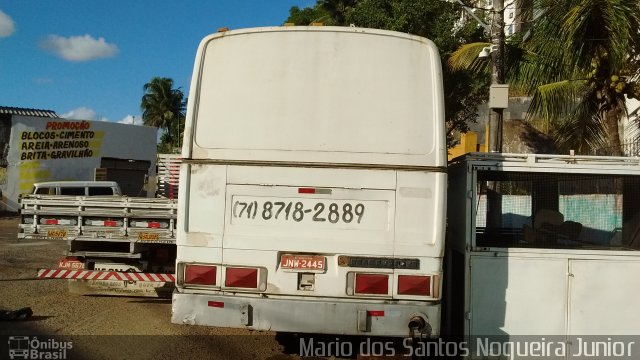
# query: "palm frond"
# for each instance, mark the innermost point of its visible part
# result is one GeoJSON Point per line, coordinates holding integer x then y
{"type": "Point", "coordinates": [466, 58]}
{"type": "Point", "coordinates": [583, 130]}
{"type": "Point", "coordinates": [556, 99]}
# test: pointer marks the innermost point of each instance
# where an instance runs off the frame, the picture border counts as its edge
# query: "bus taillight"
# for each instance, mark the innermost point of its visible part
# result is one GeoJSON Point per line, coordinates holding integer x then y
{"type": "Point", "coordinates": [414, 285]}
{"type": "Point", "coordinates": [200, 275]}
{"type": "Point", "coordinates": [374, 284]}
{"type": "Point", "coordinates": [239, 277]}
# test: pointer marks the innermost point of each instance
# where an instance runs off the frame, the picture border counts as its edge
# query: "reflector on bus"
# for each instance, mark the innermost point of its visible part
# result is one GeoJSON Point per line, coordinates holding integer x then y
{"type": "Point", "coordinates": [374, 284]}
{"type": "Point", "coordinates": [241, 277]}
{"type": "Point", "coordinates": [200, 275]}
{"type": "Point", "coordinates": [414, 285]}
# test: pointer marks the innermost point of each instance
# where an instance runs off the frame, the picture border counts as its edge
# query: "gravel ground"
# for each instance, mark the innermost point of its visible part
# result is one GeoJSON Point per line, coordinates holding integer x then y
{"type": "Point", "coordinates": [105, 327]}
{"type": "Point", "coordinates": [114, 327]}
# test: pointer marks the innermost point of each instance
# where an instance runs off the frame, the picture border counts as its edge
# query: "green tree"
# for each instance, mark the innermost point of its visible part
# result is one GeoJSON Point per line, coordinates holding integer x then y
{"type": "Point", "coordinates": [337, 9]}
{"type": "Point", "coordinates": [578, 61]}
{"type": "Point", "coordinates": [308, 15]}
{"type": "Point", "coordinates": [435, 20]}
{"type": "Point", "coordinates": [164, 107]}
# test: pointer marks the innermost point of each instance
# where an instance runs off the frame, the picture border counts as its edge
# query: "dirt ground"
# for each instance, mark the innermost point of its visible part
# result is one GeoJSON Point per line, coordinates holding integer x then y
{"type": "Point", "coordinates": [117, 327]}
{"type": "Point", "coordinates": [106, 327]}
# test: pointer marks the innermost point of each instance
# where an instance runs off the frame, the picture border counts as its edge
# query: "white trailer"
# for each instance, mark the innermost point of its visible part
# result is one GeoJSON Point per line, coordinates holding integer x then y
{"type": "Point", "coordinates": [313, 182]}
{"type": "Point", "coordinates": [543, 248]}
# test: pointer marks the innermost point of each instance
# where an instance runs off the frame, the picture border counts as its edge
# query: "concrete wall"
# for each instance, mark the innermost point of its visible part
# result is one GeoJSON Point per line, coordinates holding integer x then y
{"type": "Point", "coordinates": [46, 149]}
{"type": "Point", "coordinates": [519, 136]}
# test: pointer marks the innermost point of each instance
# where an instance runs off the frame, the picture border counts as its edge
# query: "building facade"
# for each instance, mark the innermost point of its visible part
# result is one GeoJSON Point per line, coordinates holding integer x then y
{"type": "Point", "coordinates": [38, 146]}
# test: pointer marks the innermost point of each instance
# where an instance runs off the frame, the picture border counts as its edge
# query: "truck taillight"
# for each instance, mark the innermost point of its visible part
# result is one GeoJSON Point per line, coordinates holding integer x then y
{"type": "Point", "coordinates": [150, 224]}
{"type": "Point", "coordinates": [414, 285]}
{"type": "Point", "coordinates": [200, 275]}
{"type": "Point", "coordinates": [63, 221]}
{"type": "Point", "coordinates": [102, 222]}
{"type": "Point", "coordinates": [239, 277]}
{"type": "Point", "coordinates": [374, 284]}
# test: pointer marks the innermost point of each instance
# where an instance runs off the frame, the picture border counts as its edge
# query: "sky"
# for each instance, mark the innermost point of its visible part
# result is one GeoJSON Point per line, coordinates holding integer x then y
{"type": "Point", "coordinates": [90, 59]}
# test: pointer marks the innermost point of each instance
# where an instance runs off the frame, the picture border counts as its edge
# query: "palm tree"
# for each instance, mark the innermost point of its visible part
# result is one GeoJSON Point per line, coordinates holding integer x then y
{"type": "Point", "coordinates": [579, 61]}
{"type": "Point", "coordinates": [163, 107]}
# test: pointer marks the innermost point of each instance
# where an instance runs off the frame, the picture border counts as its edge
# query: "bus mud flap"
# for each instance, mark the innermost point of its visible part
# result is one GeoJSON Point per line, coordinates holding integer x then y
{"type": "Point", "coordinates": [246, 315]}
{"type": "Point", "coordinates": [364, 321]}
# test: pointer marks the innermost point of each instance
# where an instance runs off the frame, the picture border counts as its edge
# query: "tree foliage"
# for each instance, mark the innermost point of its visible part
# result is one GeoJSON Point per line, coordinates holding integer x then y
{"type": "Point", "coordinates": [579, 62]}
{"type": "Point", "coordinates": [164, 107]}
{"type": "Point", "coordinates": [308, 15]}
{"type": "Point", "coordinates": [438, 21]}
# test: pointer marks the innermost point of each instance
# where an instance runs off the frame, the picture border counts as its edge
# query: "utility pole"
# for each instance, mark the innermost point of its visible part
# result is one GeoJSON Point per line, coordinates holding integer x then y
{"type": "Point", "coordinates": [497, 104]}
{"type": "Point", "coordinates": [497, 74]}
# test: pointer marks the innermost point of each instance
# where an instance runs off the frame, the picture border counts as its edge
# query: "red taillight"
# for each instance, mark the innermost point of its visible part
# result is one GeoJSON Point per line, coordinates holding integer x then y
{"type": "Point", "coordinates": [110, 223]}
{"type": "Point", "coordinates": [200, 275]}
{"type": "Point", "coordinates": [414, 285]}
{"type": "Point", "coordinates": [153, 224]}
{"type": "Point", "coordinates": [377, 284]}
{"type": "Point", "coordinates": [51, 222]}
{"type": "Point", "coordinates": [241, 278]}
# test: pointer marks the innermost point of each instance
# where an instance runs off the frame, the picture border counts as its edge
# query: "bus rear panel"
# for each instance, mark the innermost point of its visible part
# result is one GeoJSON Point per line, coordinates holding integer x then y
{"type": "Point", "coordinates": [313, 183]}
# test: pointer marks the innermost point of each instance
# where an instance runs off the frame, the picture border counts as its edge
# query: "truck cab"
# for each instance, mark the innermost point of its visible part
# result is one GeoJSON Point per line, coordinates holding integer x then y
{"type": "Point", "coordinates": [77, 188]}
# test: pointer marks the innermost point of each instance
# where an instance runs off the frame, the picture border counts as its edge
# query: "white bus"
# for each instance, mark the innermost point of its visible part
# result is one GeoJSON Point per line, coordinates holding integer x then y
{"type": "Point", "coordinates": [313, 183]}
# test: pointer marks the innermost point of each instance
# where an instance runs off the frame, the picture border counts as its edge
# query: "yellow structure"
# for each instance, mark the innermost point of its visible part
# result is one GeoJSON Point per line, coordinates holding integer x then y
{"type": "Point", "coordinates": [469, 143]}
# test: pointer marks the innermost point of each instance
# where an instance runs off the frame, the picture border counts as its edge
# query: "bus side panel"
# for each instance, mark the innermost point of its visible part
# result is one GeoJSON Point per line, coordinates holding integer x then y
{"type": "Point", "coordinates": [203, 208]}
{"type": "Point", "coordinates": [420, 206]}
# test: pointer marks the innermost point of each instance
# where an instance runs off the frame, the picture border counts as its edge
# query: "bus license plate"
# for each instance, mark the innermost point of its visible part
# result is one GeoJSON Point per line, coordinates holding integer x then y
{"type": "Point", "coordinates": [303, 263]}
{"type": "Point", "coordinates": [57, 233]}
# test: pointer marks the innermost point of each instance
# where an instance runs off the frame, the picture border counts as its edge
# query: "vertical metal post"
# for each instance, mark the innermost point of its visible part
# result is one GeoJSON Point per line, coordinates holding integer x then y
{"type": "Point", "coordinates": [497, 73]}
{"type": "Point", "coordinates": [494, 198]}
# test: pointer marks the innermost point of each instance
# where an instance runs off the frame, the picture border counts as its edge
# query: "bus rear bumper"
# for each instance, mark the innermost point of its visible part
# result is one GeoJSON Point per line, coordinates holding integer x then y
{"type": "Point", "coordinates": [304, 316]}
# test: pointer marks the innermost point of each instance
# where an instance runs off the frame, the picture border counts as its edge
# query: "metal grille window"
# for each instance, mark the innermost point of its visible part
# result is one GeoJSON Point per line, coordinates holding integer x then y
{"type": "Point", "coordinates": [549, 210]}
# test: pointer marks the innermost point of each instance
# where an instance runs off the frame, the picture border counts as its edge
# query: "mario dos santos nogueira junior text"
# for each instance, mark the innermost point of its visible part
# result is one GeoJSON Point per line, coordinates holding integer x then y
{"type": "Point", "coordinates": [600, 348]}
